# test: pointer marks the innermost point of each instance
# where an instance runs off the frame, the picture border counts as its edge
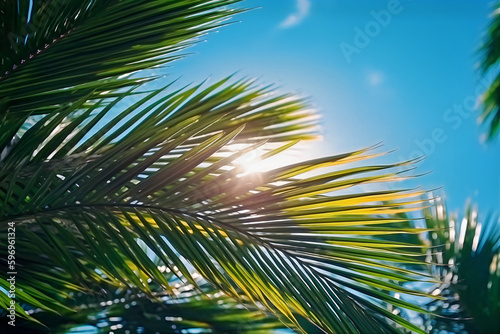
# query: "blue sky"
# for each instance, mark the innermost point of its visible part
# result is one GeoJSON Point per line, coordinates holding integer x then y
{"type": "Point", "coordinates": [411, 83]}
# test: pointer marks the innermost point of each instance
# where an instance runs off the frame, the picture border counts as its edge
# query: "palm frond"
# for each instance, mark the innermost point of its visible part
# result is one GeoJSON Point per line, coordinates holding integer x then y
{"type": "Point", "coordinates": [201, 309]}
{"type": "Point", "coordinates": [491, 56]}
{"type": "Point", "coordinates": [56, 51]}
{"type": "Point", "coordinates": [162, 171]}
{"type": "Point", "coordinates": [469, 265]}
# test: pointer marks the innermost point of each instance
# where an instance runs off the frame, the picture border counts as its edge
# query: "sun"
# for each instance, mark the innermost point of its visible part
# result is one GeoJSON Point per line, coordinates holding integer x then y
{"type": "Point", "coordinates": [252, 162]}
{"type": "Point", "coordinates": [259, 160]}
{"type": "Point", "coordinates": [255, 164]}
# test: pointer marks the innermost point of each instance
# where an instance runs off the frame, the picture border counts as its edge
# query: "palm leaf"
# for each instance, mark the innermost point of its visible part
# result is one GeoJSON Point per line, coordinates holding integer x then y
{"type": "Point", "coordinates": [491, 56]}
{"type": "Point", "coordinates": [56, 51]}
{"type": "Point", "coordinates": [468, 258]}
{"type": "Point", "coordinates": [202, 309]}
{"type": "Point", "coordinates": [163, 171]}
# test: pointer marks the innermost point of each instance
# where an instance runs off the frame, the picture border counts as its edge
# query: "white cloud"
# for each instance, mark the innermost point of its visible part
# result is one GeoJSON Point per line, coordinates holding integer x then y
{"type": "Point", "coordinates": [293, 19]}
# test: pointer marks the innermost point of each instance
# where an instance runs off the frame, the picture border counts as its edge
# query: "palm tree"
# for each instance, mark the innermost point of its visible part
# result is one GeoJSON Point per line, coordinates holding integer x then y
{"type": "Point", "coordinates": [104, 185]}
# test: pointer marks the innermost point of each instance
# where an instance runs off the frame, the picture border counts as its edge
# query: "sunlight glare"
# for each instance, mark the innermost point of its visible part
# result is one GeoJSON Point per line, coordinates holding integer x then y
{"type": "Point", "coordinates": [252, 161]}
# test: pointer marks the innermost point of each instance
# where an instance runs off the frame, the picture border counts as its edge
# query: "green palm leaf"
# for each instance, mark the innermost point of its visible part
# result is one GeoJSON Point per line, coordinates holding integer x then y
{"type": "Point", "coordinates": [89, 174]}
{"type": "Point", "coordinates": [491, 56]}
{"type": "Point", "coordinates": [58, 51]}
{"type": "Point", "coordinates": [163, 171]}
{"type": "Point", "coordinates": [469, 265]}
{"type": "Point", "coordinates": [200, 309]}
